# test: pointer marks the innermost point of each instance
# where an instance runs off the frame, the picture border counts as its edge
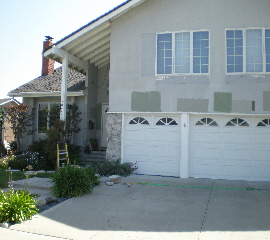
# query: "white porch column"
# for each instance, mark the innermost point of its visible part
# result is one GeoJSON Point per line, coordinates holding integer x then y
{"type": "Point", "coordinates": [63, 112]}
{"type": "Point", "coordinates": [184, 145]}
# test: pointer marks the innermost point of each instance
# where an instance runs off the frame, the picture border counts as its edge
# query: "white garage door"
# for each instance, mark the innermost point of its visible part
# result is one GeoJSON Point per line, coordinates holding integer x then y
{"type": "Point", "coordinates": [154, 143]}
{"type": "Point", "coordinates": [230, 147]}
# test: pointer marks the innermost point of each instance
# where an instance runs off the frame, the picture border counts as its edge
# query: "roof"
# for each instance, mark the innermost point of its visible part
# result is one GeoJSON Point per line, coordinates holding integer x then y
{"type": "Point", "coordinates": [6, 101]}
{"type": "Point", "coordinates": [50, 85]}
{"type": "Point", "coordinates": [91, 42]}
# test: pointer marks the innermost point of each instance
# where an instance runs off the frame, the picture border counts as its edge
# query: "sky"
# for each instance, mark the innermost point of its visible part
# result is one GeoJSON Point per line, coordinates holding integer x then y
{"type": "Point", "coordinates": [23, 25]}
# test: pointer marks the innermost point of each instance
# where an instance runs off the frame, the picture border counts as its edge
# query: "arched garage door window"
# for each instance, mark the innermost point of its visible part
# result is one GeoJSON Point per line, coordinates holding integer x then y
{"type": "Point", "coordinates": [237, 122]}
{"type": "Point", "coordinates": [166, 121]}
{"type": "Point", "coordinates": [206, 122]}
{"type": "Point", "coordinates": [264, 123]}
{"type": "Point", "coordinates": [139, 120]}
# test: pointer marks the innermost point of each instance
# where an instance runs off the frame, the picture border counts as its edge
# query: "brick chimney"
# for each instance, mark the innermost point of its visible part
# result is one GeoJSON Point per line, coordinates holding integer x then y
{"type": "Point", "coordinates": [47, 64]}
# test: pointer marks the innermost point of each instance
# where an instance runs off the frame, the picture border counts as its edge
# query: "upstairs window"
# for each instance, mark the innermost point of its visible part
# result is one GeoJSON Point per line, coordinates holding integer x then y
{"type": "Point", "coordinates": [183, 53]}
{"type": "Point", "coordinates": [248, 51]}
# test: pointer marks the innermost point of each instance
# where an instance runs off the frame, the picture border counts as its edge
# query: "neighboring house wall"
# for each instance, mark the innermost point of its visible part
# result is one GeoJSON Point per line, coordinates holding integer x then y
{"type": "Point", "coordinates": [7, 132]}
{"type": "Point", "coordinates": [134, 86]}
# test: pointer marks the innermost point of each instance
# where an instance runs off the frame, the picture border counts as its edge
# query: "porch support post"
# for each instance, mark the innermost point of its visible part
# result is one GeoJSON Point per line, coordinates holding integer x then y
{"type": "Point", "coordinates": [184, 145]}
{"type": "Point", "coordinates": [63, 112]}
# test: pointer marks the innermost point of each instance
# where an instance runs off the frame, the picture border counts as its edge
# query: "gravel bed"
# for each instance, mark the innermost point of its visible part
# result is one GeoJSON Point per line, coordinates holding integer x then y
{"type": "Point", "coordinates": [50, 205]}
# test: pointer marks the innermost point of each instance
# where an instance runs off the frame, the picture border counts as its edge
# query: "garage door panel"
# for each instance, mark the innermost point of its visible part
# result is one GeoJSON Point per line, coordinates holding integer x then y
{"type": "Point", "coordinates": [168, 169]}
{"type": "Point", "coordinates": [261, 155]}
{"type": "Point", "coordinates": [239, 138]}
{"type": "Point", "coordinates": [161, 153]}
{"type": "Point", "coordinates": [237, 171]}
{"type": "Point", "coordinates": [261, 138]}
{"type": "Point", "coordinates": [262, 173]}
{"type": "Point", "coordinates": [165, 135]}
{"type": "Point", "coordinates": [137, 150]}
{"type": "Point", "coordinates": [133, 135]}
{"type": "Point", "coordinates": [199, 152]}
{"type": "Point", "coordinates": [144, 167]}
{"type": "Point", "coordinates": [206, 170]}
{"type": "Point", "coordinates": [236, 154]}
{"type": "Point", "coordinates": [206, 137]}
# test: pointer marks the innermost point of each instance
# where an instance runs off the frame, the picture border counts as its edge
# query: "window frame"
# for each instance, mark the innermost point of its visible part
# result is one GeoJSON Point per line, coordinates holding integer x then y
{"type": "Point", "coordinates": [244, 34]}
{"type": "Point", "coordinates": [191, 72]}
{"type": "Point", "coordinates": [49, 105]}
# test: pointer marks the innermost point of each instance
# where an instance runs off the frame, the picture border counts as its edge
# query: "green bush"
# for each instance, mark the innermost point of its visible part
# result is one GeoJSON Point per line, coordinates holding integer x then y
{"type": "Point", "coordinates": [16, 206]}
{"type": "Point", "coordinates": [23, 160]}
{"type": "Point", "coordinates": [113, 167]}
{"type": "Point", "coordinates": [74, 153]}
{"type": "Point", "coordinates": [46, 149]}
{"type": "Point", "coordinates": [71, 181]}
{"type": "Point", "coordinates": [4, 162]}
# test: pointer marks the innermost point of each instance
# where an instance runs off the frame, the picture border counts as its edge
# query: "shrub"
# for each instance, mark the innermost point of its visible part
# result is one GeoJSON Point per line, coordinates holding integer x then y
{"type": "Point", "coordinates": [25, 159]}
{"type": "Point", "coordinates": [74, 153]}
{"type": "Point", "coordinates": [71, 181]}
{"type": "Point", "coordinates": [114, 167]}
{"type": "Point", "coordinates": [47, 153]}
{"type": "Point", "coordinates": [4, 162]}
{"type": "Point", "coordinates": [16, 206]}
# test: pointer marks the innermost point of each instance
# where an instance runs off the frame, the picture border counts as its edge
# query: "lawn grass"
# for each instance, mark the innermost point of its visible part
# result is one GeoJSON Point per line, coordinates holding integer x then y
{"type": "Point", "coordinates": [4, 177]}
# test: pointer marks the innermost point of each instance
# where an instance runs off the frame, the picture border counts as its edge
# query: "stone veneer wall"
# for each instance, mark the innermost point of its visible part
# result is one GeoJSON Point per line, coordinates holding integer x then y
{"type": "Point", "coordinates": [114, 128]}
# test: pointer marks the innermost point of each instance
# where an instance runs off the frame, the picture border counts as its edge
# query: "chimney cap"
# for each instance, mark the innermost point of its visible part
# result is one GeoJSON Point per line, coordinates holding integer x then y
{"type": "Point", "coordinates": [48, 38]}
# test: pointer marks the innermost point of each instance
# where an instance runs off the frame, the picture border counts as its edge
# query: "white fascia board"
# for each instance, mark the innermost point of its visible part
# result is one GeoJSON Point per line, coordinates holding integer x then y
{"type": "Point", "coordinates": [99, 22]}
{"type": "Point", "coordinates": [46, 94]}
{"type": "Point", "coordinates": [62, 54]}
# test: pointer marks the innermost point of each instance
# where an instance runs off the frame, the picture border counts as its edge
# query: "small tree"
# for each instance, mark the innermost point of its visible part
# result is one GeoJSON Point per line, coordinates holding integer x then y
{"type": "Point", "coordinates": [21, 119]}
{"type": "Point", "coordinates": [63, 130]}
{"type": "Point", "coordinates": [2, 148]}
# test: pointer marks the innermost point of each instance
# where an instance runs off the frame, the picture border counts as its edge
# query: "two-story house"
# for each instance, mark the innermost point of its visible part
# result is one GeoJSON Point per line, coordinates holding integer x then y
{"type": "Point", "coordinates": [188, 85]}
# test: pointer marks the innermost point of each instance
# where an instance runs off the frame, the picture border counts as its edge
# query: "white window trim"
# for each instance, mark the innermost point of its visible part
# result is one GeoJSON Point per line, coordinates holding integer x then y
{"type": "Point", "coordinates": [49, 107]}
{"type": "Point", "coordinates": [159, 76]}
{"type": "Point", "coordinates": [244, 52]}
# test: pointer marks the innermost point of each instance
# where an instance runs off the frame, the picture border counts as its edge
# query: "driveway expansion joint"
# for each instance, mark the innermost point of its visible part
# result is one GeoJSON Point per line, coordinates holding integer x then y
{"type": "Point", "coordinates": [206, 208]}
{"type": "Point", "coordinates": [40, 234]}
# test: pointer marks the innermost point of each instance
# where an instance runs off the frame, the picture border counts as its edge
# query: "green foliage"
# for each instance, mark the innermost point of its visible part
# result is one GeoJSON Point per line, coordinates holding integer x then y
{"type": "Point", "coordinates": [16, 206]}
{"type": "Point", "coordinates": [4, 162]}
{"type": "Point", "coordinates": [24, 159]}
{"type": "Point", "coordinates": [47, 153]}
{"type": "Point", "coordinates": [44, 152]}
{"type": "Point", "coordinates": [74, 153]}
{"type": "Point", "coordinates": [113, 167]}
{"type": "Point", "coordinates": [1, 117]}
{"type": "Point", "coordinates": [59, 130]}
{"type": "Point", "coordinates": [21, 119]}
{"type": "Point", "coordinates": [71, 181]}
{"type": "Point", "coordinates": [63, 130]}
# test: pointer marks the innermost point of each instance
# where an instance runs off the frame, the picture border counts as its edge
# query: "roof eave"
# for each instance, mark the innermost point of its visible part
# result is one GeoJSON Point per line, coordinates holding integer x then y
{"type": "Point", "coordinates": [46, 94]}
{"type": "Point", "coordinates": [114, 13]}
{"type": "Point", "coordinates": [99, 26]}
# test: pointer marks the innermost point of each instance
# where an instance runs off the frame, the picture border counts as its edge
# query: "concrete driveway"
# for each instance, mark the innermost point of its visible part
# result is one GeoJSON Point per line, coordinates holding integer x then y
{"type": "Point", "coordinates": [160, 208]}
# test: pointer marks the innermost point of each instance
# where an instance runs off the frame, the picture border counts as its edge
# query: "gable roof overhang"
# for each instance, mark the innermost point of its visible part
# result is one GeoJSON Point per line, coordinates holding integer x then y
{"type": "Point", "coordinates": [90, 43]}
{"type": "Point", "coordinates": [7, 101]}
{"type": "Point", "coordinates": [46, 94]}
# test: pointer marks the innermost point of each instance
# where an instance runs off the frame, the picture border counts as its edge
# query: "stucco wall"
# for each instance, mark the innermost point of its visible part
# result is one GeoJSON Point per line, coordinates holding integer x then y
{"type": "Point", "coordinates": [133, 44]}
